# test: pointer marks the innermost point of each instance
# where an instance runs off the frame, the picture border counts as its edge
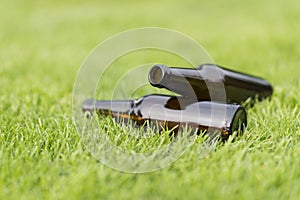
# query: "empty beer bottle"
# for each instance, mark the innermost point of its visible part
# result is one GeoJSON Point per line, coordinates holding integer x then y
{"type": "Point", "coordinates": [174, 112]}
{"type": "Point", "coordinates": [210, 80]}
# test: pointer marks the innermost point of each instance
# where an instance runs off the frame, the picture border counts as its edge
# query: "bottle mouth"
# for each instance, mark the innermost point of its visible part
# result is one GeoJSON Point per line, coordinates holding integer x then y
{"type": "Point", "coordinates": [156, 74]}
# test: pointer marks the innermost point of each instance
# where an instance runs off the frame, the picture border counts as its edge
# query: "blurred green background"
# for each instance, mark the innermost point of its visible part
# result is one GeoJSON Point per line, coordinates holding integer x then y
{"type": "Point", "coordinates": [43, 44]}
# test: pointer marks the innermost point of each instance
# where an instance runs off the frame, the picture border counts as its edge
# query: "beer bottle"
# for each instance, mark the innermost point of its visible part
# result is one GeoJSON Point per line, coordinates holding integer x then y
{"type": "Point", "coordinates": [173, 112]}
{"type": "Point", "coordinates": [207, 80]}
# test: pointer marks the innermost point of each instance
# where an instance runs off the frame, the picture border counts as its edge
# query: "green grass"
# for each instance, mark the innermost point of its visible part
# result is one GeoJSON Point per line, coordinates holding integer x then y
{"type": "Point", "coordinates": [42, 45]}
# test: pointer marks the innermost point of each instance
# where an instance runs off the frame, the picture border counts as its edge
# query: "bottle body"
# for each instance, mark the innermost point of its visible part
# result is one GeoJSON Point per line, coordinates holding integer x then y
{"type": "Point", "coordinates": [174, 112]}
{"type": "Point", "coordinates": [210, 82]}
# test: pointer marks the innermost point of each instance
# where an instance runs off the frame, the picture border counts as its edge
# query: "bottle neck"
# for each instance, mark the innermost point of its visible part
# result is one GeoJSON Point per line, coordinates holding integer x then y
{"type": "Point", "coordinates": [106, 107]}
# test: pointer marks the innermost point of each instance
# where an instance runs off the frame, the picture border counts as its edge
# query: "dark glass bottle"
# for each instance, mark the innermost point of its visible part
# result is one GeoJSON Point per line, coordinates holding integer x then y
{"type": "Point", "coordinates": [190, 82]}
{"type": "Point", "coordinates": [173, 112]}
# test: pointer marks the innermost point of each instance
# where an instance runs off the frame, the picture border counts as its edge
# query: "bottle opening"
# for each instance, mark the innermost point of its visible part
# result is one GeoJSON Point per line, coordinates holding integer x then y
{"type": "Point", "coordinates": [156, 74]}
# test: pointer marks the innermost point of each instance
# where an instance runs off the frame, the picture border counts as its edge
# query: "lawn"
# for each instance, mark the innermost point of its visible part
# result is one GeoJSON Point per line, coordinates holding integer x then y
{"type": "Point", "coordinates": [44, 43]}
